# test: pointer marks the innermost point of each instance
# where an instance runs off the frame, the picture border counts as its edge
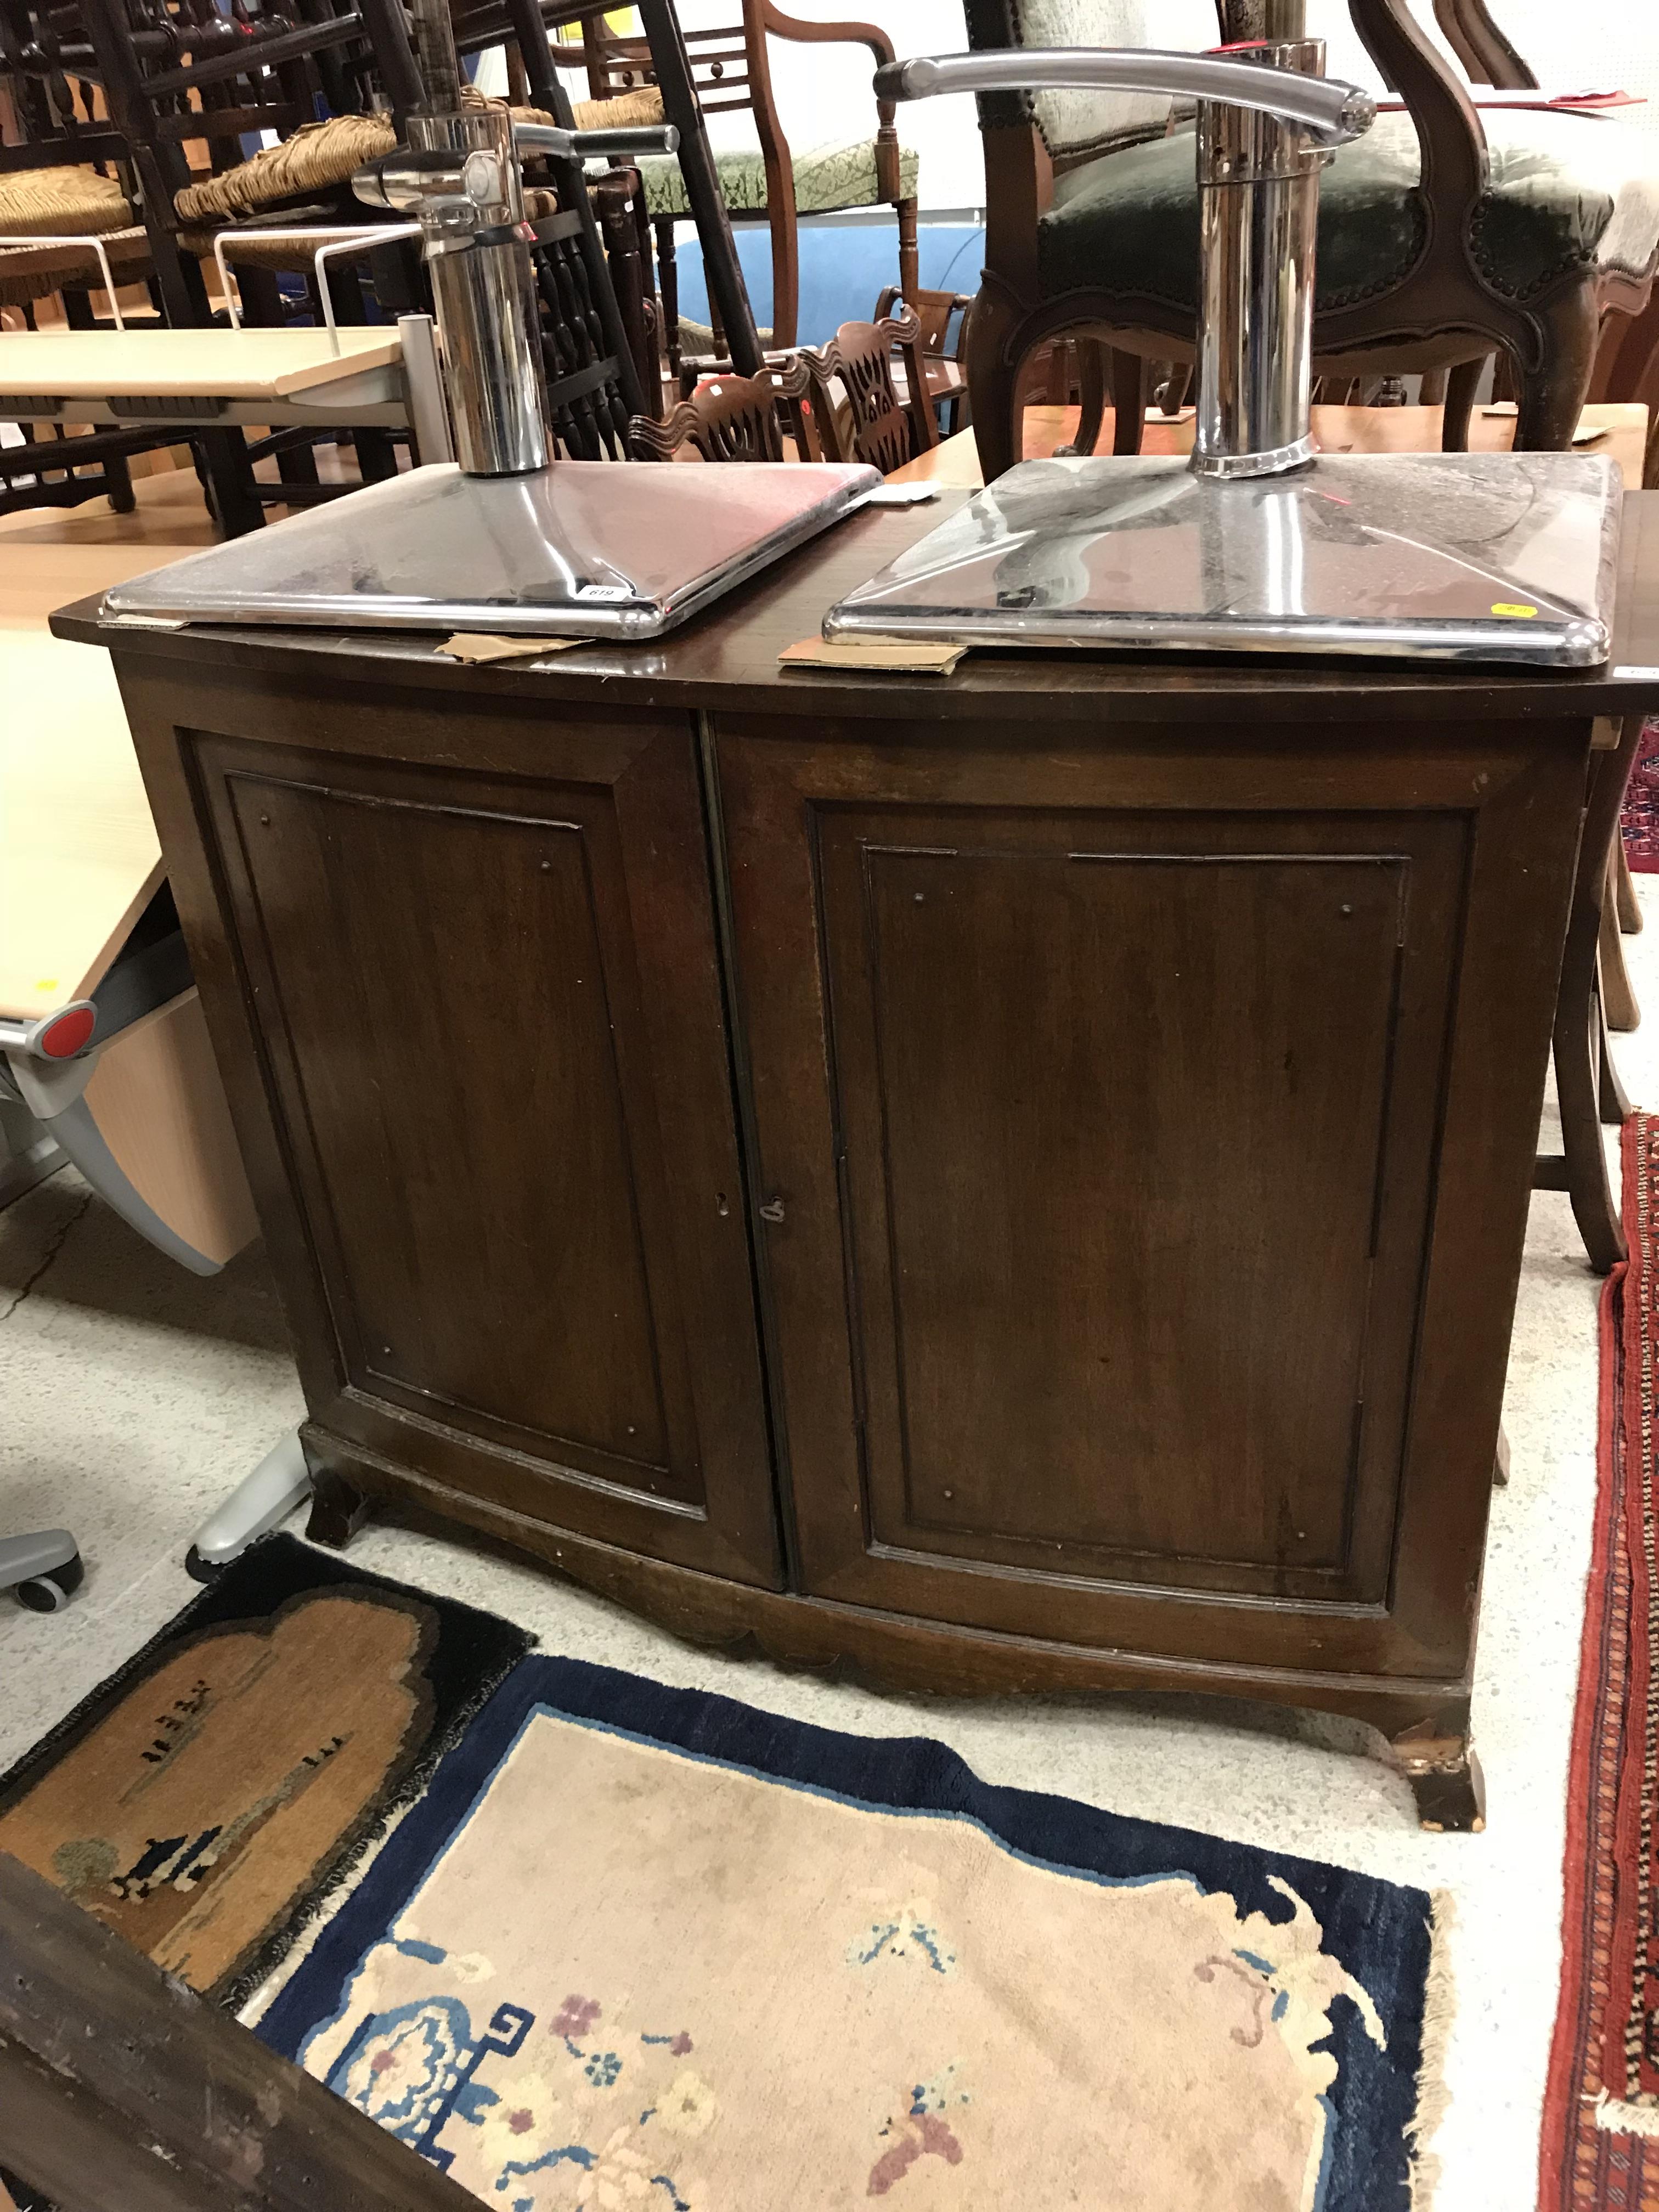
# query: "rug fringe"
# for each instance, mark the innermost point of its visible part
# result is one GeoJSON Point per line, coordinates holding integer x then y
{"type": "Point", "coordinates": [1439, 2011]}
{"type": "Point", "coordinates": [1616, 2117]}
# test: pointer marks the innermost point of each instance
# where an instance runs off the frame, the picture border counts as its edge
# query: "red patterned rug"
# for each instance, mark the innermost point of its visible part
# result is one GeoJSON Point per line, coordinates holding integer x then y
{"type": "Point", "coordinates": [1599, 2147]}
{"type": "Point", "coordinates": [1642, 805]}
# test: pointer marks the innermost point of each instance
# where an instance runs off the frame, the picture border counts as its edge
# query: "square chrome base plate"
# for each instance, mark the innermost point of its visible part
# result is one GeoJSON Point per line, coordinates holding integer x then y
{"type": "Point", "coordinates": [1506, 557]}
{"type": "Point", "coordinates": [583, 549]}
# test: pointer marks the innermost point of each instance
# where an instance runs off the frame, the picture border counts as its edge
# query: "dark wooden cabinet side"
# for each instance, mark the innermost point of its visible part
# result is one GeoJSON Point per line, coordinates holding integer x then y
{"type": "Point", "coordinates": [472, 1018]}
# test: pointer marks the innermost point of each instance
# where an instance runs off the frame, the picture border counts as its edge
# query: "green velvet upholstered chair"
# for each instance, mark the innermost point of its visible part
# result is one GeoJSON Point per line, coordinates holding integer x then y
{"type": "Point", "coordinates": [1440, 242]}
{"type": "Point", "coordinates": [731, 72]}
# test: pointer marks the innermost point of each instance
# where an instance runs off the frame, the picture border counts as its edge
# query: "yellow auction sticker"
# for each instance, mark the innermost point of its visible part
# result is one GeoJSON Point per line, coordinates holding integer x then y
{"type": "Point", "coordinates": [1509, 607]}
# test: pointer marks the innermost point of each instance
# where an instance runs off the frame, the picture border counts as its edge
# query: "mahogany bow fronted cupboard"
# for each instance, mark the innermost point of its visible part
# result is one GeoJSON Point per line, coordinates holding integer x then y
{"type": "Point", "coordinates": [1017, 1180]}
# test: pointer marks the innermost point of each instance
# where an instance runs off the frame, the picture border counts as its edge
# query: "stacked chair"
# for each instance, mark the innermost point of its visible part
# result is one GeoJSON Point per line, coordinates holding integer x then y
{"type": "Point", "coordinates": [728, 71]}
{"type": "Point", "coordinates": [59, 179]}
{"type": "Point", "coordinates": [333, 82]}
{"type": "Point", "coordinates": [841, 402]}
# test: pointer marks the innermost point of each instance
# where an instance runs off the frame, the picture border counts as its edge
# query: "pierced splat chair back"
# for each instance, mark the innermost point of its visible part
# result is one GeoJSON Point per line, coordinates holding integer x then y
{"type": "Point", "coordinates": [735, 419]}
{"type": "Point", "coordinates": [856, 404]}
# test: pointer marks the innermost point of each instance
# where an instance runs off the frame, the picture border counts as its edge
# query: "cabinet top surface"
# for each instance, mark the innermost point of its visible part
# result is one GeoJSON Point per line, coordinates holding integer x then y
{"type": "Point", "coordinates": [727, 657]}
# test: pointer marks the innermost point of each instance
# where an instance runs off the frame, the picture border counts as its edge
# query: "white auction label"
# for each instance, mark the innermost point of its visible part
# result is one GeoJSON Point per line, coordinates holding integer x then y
{"type": "Point", "coordinates": [1636, 675]}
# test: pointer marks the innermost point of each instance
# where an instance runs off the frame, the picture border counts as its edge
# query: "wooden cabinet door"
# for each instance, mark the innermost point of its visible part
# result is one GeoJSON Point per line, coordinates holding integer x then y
{"type": "Point", "coordinates": [478, 958]}
{"type": "Point", "coordinates": [1098, 1135]}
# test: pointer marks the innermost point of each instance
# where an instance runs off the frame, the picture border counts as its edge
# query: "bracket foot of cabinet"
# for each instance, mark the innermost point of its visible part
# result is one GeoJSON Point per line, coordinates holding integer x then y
{"type": "Point", "coordinates": [1423, 1728]}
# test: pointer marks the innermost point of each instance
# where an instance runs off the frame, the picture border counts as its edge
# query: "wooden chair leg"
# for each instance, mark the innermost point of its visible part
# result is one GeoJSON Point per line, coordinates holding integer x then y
{"type": "Point", "coordinates": [1461, 384]}
{"type": "Point", "coordinates": [1129, 401]}
{"type": "Point", "coordinates": [1552, 393]}
{"type": "Point", "coordinates": [221, 464]}
{"type": "Point", "coordinates": [668, 290]}
{"type": "Point", "coordinates": [1092, 393]}
{"type": "Point", "coordinates": [1586, 1080]}
{"type": "Point", "coordinates": [909, 250]}
{"type": "Point", "coordinates": [1623, 885]}
{"type": "Point", "coordinates": [1582, 1172]}
{"type": "Point", "coordinates": [994, 379]}
{"type": "Point", "coordinates": [118, 476]}
{"type": "Point", "coordinates": [1611, 1095]}
{"type": "Point", "coordinates": [1618, 998]}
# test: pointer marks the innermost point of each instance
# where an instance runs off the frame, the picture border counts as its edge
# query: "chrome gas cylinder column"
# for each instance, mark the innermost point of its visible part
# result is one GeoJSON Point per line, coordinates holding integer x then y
{"type": "Point", "coordinates": [1257, 200]}
{"type": "Point", "coordinates": [460, 177]}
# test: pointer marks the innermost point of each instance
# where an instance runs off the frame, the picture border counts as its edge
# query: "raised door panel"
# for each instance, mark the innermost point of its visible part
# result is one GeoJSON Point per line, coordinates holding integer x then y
{"type": "Point", "coordinates": [1117, 1129]}
{"type": "Point", "coordinates": [1110, 1118]}
{"type": "Point", "coordinates": [502, 1080]}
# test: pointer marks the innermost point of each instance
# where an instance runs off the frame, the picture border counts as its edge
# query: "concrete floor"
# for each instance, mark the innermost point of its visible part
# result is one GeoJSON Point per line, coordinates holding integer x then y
{"type": "Point", "coordinates": [135, 1395]}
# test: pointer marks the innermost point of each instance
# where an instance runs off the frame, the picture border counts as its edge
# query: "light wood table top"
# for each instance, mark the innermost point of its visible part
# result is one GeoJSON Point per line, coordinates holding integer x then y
{"type": "Point", "coordinates": [79, 857]}
{"type": "Point", "coordinates": [1339, 430]}
{"type": "Point", "coordinates": [187, 364]}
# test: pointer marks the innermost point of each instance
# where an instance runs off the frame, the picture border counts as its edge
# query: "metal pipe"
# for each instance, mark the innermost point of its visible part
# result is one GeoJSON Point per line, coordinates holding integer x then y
{"type": "Point", "coordinates": [428, 416]}
{"type": "Point", "coordinates": [1258, 200]}
{"type": "Point", "coordinates": [483, 289]}
{"type": "Point", "coordinates": [1335, 111]}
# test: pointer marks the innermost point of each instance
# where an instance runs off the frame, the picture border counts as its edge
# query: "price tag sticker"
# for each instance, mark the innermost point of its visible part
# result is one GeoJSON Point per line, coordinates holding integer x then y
{"type": "Point", "coordinates": [1513, 607]}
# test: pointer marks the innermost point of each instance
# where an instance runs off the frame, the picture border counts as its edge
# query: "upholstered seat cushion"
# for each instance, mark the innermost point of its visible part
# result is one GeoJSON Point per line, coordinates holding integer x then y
{"type": "Point", "coordinates": [1564, 192]}
{"type": "Point", "coordinates": [827, 178]}
{"type": "Point", "coordinates": [74, 202]}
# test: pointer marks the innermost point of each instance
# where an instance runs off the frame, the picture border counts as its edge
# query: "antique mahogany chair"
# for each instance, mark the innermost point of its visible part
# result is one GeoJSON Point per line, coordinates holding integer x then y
{"type": "Point", "coordinates": [735, 419]}
{"type": "Point", "coordinates": [944, 318]}
{"type": "Point", "coordinates": [731, 73]}
{"type": "Point", "coordinates": [856, 405]}
{"type": "Point", "coordinates": [1440, 242]}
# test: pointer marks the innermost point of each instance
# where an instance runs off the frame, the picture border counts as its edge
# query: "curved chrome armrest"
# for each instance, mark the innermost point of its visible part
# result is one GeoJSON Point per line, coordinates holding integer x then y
{"type": "Point", "coordinates": [1330, 110]}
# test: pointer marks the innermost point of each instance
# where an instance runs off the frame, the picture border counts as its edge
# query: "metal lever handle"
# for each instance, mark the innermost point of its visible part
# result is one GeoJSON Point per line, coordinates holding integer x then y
{"type": "Point", "coordinates": [1331, 111]}
{"type": "Point", "coordinates": [594, 145]}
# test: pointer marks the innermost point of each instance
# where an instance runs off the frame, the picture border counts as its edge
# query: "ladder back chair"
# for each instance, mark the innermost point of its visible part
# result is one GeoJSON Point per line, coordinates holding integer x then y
{"type": "Point", "coordinates": [731, 74]}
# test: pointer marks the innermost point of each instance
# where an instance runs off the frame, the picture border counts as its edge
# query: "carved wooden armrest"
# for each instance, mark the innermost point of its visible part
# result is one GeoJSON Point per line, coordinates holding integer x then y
{"type": "Point", "coordinates": [773, 20]}
{"type": "Point", "coordinates": [1448, 133]}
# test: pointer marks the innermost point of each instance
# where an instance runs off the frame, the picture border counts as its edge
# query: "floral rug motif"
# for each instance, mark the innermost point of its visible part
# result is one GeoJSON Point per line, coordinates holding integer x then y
{"type": "Point", "coordinates": [646, 1948]}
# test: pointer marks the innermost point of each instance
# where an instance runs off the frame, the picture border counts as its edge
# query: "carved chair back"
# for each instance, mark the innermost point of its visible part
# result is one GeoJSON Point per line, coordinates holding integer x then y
{"type": "Point", "coordinates": [867, 421]}
{"type": "Point", "coordinates": [735, 419]}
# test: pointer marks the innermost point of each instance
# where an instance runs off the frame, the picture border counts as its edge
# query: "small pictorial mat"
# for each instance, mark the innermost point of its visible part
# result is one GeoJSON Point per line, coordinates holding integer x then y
{"type": "Point", "coordinates": [205, 1799]}
{"type": "Point", "coordinates": [653, 1950]}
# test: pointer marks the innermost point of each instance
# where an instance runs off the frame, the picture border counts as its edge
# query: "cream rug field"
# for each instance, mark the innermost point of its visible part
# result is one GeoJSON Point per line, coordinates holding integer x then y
{"type": "Point", "coordinates": [642, 1947]}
